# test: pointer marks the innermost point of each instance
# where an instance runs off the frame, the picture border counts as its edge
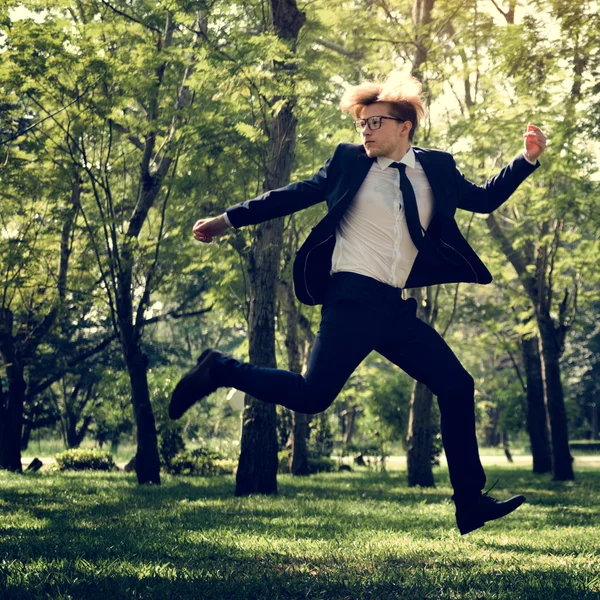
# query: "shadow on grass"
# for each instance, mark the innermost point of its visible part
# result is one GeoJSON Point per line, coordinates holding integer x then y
{"type": "Point", "coordinates": [283, 577]}
{"type": "Point", "coordinates": [102, 536]}
{"type": "Point", "coordinates": [151, 523]}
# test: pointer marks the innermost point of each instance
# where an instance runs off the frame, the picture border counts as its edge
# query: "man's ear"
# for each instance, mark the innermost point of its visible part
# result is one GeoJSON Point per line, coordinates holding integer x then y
{"type": "Point", "coordinates": [406, 127]}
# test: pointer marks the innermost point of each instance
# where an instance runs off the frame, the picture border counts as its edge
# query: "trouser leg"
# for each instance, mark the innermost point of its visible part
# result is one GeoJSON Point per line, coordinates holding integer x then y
{"type": "Point", "coordinates": [422, 353]}
{"type": "Point", "coordinates": [344, 340]}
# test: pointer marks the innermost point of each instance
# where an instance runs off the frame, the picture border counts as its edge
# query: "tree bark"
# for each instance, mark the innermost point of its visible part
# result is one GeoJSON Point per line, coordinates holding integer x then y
{"type": "Point", "coordinates": [257, 468]}
{"type": "Point", "coordinates": [11, 400]}
{"type": "Point", "coordinates": [300, 435]}
{"type": "Point", "coordinates": [25, 434]}
{"type": "Point", "coordinates": [147, 461]}
{"type": "Point", "coordinates": [300, 421]}
{"type": "Point", "coordinates": [537, 418]}
{"type": "Point", "coordinates": [508, 14]}
{"type": "Point", "coordinates": [349, 421]}
{"type": "Point", "coordinates": [562, 461]}
{"type": "Point", "coordinates": [419, 440]}
{"type": "Point", "coordinates": [75, 404]}
{"type": "Point", "coordinates": [506, 447]}
{"type": "Point", "coordinates": [422, 18]}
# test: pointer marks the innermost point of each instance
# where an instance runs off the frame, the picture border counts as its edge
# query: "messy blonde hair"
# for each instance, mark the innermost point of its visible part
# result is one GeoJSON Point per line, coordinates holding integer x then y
{"type": "Point", "coordinates": [401, 90]}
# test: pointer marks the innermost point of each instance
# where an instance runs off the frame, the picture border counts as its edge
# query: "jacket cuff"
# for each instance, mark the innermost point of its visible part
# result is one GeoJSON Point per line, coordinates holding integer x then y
{"type": "Point", "coordinates": [231, 218]}
{"type": "Point", "coordinates": [531, 162]}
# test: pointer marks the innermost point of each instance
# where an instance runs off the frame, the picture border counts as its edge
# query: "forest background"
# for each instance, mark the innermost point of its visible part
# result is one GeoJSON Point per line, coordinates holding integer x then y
{"type": "Point", "coordinates": [123, 122]}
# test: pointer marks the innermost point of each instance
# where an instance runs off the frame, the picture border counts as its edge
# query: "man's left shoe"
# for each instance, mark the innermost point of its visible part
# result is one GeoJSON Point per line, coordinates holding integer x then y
{"type": "Point", "coordinates": [194, 385]}
{"type": "Point", "coordinates": [474, 512]}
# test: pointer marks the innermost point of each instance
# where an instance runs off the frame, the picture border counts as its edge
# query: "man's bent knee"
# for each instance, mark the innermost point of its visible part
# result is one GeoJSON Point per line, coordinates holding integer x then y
{"type": "Point", "coordinates": [314, 403]}
{"type": "Point", "coordinates": [462, 384]}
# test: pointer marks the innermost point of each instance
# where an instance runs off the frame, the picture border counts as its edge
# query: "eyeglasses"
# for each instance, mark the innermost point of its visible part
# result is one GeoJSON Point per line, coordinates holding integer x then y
{"type": "Point", "coordinates": [373, 123]}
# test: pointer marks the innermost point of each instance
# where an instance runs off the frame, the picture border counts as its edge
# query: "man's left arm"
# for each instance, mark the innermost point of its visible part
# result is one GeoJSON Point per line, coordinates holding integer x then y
{"type": "Point", "coordinates": [498, 189]}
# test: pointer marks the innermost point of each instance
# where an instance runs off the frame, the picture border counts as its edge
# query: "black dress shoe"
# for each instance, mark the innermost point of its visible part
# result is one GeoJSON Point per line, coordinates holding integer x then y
{"type": "Point", "coordinates": [474, 512]}
{"type": "Point", "coordinates": [194, 385]}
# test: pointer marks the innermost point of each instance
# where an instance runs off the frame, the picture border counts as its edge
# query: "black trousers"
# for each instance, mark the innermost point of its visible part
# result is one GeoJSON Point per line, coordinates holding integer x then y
{"type": "Point", "coordinates": [359, 315]}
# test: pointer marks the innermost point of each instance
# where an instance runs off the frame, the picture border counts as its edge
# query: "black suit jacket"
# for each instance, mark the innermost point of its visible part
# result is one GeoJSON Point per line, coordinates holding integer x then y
{"type": "Point", "coordinates": [445, 257]}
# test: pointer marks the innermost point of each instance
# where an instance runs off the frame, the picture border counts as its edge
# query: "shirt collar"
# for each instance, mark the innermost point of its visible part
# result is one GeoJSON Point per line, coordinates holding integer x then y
{"type": "Point", "coordinates": [409, 159]}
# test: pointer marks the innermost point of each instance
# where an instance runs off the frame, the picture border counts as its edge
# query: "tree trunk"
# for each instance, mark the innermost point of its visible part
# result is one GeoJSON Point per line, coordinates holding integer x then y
{"type": "Point", "coordinates": [72, 441]}
{"type": "Point", "coordinates": [349, 425]}
{"type": "Point", "coordinates": [537, 418]}
{"type": "Point", "coordinates": [147, 462]}
{"type": "Point", "coordinates": [11, 400]}
{"type": "Point", "coordinates": [15, 357]}
{"type": "Point", "coordinates": [76, 436]}
{"type": "Point", "coordinates": [300, 435]}
{"type": "Point", "coordinates": [25, 435]}
{"type": "Point", "coordinates": [257, 468]}
{"type": "Point", "coordinates": [300, 421]}
{"type": "Point", "coordinates": [539, 290]}
{"type": "Point", "coordinates": [421, 17]}
{"type": "Point", "coordinates": [129, 271]}
{"type": "Point", "coordinates": [11, 415]}
{"type": "Point", "coordinates": [562, 461]}
{"type": "Point", "coordinates": [506, 447]}
{"type": "Point", "coordinates": [419, 441]}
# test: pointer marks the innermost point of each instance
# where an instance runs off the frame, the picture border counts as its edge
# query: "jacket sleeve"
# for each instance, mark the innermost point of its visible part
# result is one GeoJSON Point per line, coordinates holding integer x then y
{"type": "Point", "coordinates": [497, 190]}
{"type": "Point", "coordinates": [283, 201]}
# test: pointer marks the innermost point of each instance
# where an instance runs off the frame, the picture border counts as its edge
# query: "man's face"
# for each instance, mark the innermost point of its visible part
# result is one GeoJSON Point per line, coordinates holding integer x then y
{"type": "Point", "coordinates": [391, 139]}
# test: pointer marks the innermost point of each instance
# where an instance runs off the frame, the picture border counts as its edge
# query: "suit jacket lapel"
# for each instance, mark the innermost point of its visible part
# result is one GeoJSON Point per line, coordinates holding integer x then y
{"type": "Point", "coordinates": [435, 176]}
{"type": "Point", "coordinates": [357, 170]}
{"type": "Point", "coordinates": [354, 175]}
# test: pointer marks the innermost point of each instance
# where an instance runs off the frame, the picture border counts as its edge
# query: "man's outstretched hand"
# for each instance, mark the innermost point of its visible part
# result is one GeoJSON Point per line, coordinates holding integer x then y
{"type": "Point", "coordinates": [206, 229]}
{"type": "Point", "coordinates": [535, 142]}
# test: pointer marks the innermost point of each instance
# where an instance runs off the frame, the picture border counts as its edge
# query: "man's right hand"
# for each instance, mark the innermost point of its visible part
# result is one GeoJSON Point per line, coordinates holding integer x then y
{"type": "Point", "coordinates": [206, 229]}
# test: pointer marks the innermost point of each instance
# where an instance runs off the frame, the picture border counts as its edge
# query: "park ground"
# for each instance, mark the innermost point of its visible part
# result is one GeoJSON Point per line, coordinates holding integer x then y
{"type": "Point", "coordinates": [337, 536]}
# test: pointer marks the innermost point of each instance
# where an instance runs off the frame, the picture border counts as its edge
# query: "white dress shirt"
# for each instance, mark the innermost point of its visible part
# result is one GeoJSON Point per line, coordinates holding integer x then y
{"type": "Point", "coordinates": [372, 237]}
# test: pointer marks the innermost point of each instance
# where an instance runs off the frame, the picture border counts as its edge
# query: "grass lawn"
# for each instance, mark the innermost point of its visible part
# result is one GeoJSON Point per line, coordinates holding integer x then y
{"type": "Point", "coordinates": [343, 536]}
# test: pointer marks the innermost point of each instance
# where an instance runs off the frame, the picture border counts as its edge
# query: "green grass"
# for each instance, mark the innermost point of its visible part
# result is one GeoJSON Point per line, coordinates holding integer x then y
{"type": "Point", "coordinates": [333, 536]}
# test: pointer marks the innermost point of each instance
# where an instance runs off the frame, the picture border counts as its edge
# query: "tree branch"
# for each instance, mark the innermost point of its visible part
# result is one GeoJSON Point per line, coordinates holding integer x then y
{"type": "Point", "coordinates": [150, 275]}
{"type": "Point", "coordinates": [49, 115]}
{"type": "Point", "coordinates": [512, 360]}
{"type": "Point", "coordinates": [42, 386]}
{"type": "Point", "coordinates": [515, 259]}
{"type": "Point", "coordinates": [131, 18]}
{"type": "Point", "coordinates": [176, 315]}
{"type": "Point", "coordinates": [132, 138]}
{"type": "Point", "coordinates": [355, 54]}
{"type": "Point", "coordinates": [37, 335]}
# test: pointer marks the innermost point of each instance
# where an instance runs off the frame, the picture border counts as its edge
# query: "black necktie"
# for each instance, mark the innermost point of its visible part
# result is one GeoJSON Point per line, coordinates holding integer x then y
{"type": "Point", "coordinates": [410, 206]}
